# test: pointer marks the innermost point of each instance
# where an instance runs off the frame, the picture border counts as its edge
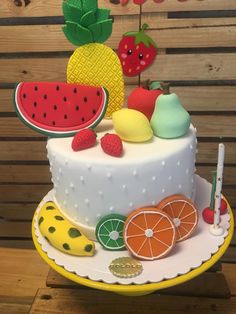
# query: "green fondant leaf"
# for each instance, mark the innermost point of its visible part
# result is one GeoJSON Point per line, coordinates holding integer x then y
{"type": "Point", "coordinates": [89, 5]}
{"type": "Point", "coordinates": [41, 219]}
{"type": "Point", "coordinates": [66, 246]}
{"type": "Point", "coordinates": [50, 208]}
{"type": "Point", "coordinates": [101, 31]}
{"type": "Point", "coordinates": [75, 3]}
{"type": "Point", "coordinates": [77, 34]}
{"type": "Point", "coordinates": [102, 14]}
{"type": "Point", "coordinates": [74, 233]}
{"type": "Point", "coordinates": [88, 19]}
{"type": "Point", "coordinates": [71, 13]}
{"type": "Point", "coordinates": [88, 248]}
{"type": "Point", "coordinates": [59, 218]}
{"type": "Point", "coordinates": [51, 229]}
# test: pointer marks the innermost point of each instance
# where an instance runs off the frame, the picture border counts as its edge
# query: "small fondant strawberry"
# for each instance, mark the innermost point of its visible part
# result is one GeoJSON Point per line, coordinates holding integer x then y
{"type": "Point", "coordinates": [84, 139]}
{"type": "Point", "coordinates": [136, 51]}
{"type": "Point", "coordinates": [112, 145]}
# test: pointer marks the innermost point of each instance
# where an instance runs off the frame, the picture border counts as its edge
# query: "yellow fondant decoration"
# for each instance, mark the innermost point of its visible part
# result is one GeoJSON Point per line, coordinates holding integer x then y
{"type": "Point", "coordinates": [132, 125]}
{"type": "Point", "coordinates": [61, 234]}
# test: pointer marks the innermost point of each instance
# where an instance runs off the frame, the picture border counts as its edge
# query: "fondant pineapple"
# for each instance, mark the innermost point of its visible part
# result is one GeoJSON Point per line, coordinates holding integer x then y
{"type": "Point", "coordinates": [93, 63]}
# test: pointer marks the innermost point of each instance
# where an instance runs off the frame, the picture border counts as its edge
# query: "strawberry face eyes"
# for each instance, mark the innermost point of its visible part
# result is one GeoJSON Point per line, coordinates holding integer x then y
{"type": "Point", "coordinates": [140, 56]}
{"type": "Point", "coordinates": [129, 52]}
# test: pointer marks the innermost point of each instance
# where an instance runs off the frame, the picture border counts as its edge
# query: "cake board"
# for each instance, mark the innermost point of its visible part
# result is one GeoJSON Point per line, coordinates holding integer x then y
{"type": "Point", "coordinates": [132, 288]}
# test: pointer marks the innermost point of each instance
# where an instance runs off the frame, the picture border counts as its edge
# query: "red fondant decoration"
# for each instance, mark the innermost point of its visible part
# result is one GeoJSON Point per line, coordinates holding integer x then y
{"type": "Point", "coordinates": [112, 145]}
{"type": "Point", "coordinates": [137, 51]}
{"type": "Point", "coordinates": [144, 98]}
{"type": "Point", "coordinates": [60, 109]}
{"type": "Point", "coordinates": [84, 139]}
{"type": "Point", "coordinates": [208, 215]}
{"type": "Point", "coordinates": [223, 207]}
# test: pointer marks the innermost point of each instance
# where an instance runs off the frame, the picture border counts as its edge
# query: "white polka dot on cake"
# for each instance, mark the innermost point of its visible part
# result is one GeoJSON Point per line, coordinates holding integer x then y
{"type": "Point", "coordinates": [100, 193]}
{"type": "Point", "coordinates": [180, 186]}
{"type": "Point", "coordinates": [124, 187]}
{"type": "Point", "coordinates": [76, 206]}
{"type": "Point", "coordinates": [72, 186]}
{"type": "Point", "coordinates": [111, 208]}
{"type": "Point", "coordinates": [163, 163]}
{"type": "Point", "coordinates": [135, 173]}
{"type": "Point", "coordinates": [170, 178]}
{"type": "Point", "coordinates": [81, 179]}
{"type": "Point", "coordinates": [131, 204]}
{"type": "Point", "coordinates": [109, 176]}
{"type": "Point", "coordinates": [144, 190]}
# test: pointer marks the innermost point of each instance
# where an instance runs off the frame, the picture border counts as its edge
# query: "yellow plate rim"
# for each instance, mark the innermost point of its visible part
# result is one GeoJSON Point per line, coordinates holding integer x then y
{"type": "Point", "coordinates": [144, 288]}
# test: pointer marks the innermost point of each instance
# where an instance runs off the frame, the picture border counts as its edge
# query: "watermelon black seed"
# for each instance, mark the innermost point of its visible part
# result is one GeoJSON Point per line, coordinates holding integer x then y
{"type": "Point", "coordinates": [94, 111]}
{"type": "Point", "coordinates": [65, 116]}
{"type": "Point", "coordinates": [98, 93]}
{"type": "Point", "coordinates": [65, 99]}
{"type": "Point", "coordinates": [55, 107]}
{"type": "Point", "coordinates": [24, 95]}
{"type": "Point", "coordinates": [82, 119]}
{"type": "Point", "coordinates": [45, 115]}
{"type": "Point", "coordinates": [75, 90]}
{"type": "Point", "coordinates": [85, 99]}
{"type": "Point", "coordinates": [33, 115]}
{"type": "Point", "coordinates": [77, 108]}
{"type": "Point", "coordinates": [53, 123]}
{"type": "Point", "coordinates": [36, 88]}
{"type": "Point", "coordinates": [35, 104]}
{"type": "Point", "coordinates": [45, 96]}
{"type": "Point", "coordinates": [57, 88]}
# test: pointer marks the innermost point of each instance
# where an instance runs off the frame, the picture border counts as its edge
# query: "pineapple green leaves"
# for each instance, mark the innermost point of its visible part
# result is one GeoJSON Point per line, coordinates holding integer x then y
{"type": "Point", "coordinates": [85, 22]}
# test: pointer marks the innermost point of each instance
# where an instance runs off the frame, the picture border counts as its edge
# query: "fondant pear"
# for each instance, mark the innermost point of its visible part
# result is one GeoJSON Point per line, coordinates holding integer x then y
{"type": "Point", "coordinates": [169, 119]}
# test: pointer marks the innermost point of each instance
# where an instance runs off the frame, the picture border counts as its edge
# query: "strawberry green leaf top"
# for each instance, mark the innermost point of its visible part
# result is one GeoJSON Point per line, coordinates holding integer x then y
{"type": "Point", "coordinates": [85, 22]}
{"type": "Point", "coordinates": [141, 37]}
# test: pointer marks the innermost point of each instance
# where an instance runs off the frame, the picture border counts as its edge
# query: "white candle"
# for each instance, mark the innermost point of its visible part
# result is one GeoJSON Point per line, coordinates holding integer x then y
{"type": "Point", "coordinates": [220, 167]}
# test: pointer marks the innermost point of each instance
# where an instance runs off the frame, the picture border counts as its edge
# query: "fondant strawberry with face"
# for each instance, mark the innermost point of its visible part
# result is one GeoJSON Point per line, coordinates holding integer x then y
{"type": "Point", "coordinates": [137, 52]}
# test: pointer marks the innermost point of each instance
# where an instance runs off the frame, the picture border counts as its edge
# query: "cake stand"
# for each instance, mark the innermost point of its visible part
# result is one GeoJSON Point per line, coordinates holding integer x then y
{"type": "Point", "coordinates": [189, 259]}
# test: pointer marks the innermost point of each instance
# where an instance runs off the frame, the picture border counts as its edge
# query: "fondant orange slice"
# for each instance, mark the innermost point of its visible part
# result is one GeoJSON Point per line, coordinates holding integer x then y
{"type": "Point", "coordinates": [149, 233]}
{"type": "Point", "coordinates": [183, 212]}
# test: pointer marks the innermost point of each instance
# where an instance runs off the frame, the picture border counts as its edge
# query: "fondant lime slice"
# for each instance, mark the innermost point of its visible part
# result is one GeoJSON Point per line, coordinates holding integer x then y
{"type": "Point", "coordinates": [109, 232]}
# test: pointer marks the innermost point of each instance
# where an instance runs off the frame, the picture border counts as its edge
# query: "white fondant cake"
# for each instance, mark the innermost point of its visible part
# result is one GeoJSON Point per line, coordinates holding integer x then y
{"type": "Point", "coordinates": [90, 184]}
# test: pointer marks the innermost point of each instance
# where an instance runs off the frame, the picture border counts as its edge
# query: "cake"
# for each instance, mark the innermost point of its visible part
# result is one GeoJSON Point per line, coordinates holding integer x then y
{"type": "Point", "coordinates": [89, 184]}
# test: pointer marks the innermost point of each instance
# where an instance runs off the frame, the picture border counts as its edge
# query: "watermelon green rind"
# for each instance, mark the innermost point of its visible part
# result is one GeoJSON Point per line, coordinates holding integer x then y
{"type": "Point", "coordinates": [55, 133]}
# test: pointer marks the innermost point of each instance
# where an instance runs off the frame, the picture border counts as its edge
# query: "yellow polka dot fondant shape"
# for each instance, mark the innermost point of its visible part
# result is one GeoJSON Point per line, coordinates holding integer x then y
{"type": "Point", "coordinates": [61, 234]}
{"type": "Point", "coordinates": [132, 125]}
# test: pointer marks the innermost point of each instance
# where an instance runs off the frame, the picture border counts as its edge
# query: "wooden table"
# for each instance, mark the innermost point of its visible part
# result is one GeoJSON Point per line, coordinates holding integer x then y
{"type": "Point", "coordinates": [27, 284]}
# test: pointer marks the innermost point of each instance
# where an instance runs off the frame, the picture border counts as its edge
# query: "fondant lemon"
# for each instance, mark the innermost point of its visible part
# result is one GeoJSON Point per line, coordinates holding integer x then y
{"type": "Point", "coordinates": [61, 234]}
{"type": "Point", "coordinates": [132, 125]}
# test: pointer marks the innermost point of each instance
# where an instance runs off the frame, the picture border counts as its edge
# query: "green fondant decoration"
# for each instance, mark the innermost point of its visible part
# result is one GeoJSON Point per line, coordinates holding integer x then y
{"type": "Point", "coordinates": [66, 246]}
{"type": "Point", "coordinates": [41, 219]}
{"type": "Point", "coordinates": [77, 34]}
{"type": "Point", "coordinates": [75, 3]}
{"type": "Point", "coordinates": [85, 23]}
{"type": "Point", "coordinates": [50, 208]}
{"type": "Point", "coordinates": [74, 233]}
{"type": "Point", "coordinates": [59, 218]}
{"type": "Point", "coordinates": [102, 15]}
{"type": "Point", "coordinates": [51, 229]}
{"type": "Point", "coordinates": [88, 19]}
{"type": "Point", "coordinates": [141, 37]}
{"type": "Point", "coordinates": [88, 248]}
{"type": "Point", "coordinates": [170, 119]}
{"type": "Point", "coordinates": [71, 13]}
{"type": "Point", "coordinates": [213, 190]}
{"type": "Point", "coordinates": [101, 31]}
{"type": "Point", "coordinates": [89, 5]}
{"type": "Point", "coordinates": [155, 85]}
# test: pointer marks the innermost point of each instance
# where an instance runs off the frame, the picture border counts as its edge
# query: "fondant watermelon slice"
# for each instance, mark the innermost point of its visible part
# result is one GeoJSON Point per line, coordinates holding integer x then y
{"type": "Point", "coordinates": [59, 109]}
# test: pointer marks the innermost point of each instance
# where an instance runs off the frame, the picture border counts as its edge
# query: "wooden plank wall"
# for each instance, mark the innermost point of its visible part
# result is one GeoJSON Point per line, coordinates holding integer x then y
{"type": "Point", "coordinates": [197, 53]}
